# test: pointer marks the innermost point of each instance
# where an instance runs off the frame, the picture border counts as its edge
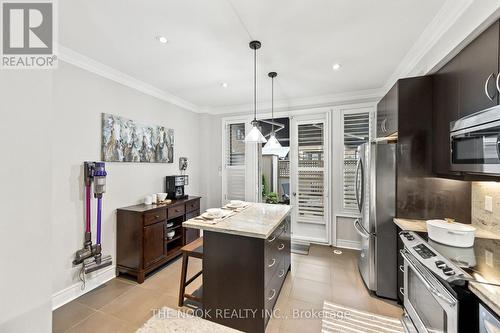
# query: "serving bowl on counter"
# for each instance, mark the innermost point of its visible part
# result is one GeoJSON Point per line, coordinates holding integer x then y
{"type": "Point", "coordinates": [451, 233]}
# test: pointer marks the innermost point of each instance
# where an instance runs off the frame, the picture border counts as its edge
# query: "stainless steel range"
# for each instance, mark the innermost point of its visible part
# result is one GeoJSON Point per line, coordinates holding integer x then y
{"type": "Point", "coordinates": [436, 277]}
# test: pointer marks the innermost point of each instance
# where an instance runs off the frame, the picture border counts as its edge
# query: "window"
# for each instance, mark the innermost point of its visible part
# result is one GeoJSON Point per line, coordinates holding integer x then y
{"type": "Point", "coordinates": [356, 127]}
{"type": "Point", "coordinates": [234, 162]}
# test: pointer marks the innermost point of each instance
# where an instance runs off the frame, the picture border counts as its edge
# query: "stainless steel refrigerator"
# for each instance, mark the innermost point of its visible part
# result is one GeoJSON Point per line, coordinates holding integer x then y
{"type": "Point", "coordinates": [376, 198]}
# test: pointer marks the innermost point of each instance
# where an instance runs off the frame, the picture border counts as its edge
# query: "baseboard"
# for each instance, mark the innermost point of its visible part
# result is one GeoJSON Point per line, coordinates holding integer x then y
{"type": "Point", "coordinates": [308, 240]}
{"type": "Point", "coordinates": [348, 244]}
{"type": "Point", "coordinates": [74, 291]}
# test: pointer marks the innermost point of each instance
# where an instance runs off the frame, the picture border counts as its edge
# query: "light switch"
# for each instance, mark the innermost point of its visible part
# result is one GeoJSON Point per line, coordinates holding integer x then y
{"type": "Point", "coordinates": [488, 255]}
{"type": "Point", "coordinates": [488, 203]}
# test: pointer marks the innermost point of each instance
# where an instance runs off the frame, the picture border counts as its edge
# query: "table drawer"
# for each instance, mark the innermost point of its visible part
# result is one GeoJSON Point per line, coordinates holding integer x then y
{"type": "Point", "coordinates": [192, 214]}
{"type": "Point", "coordinates": [176, 211]}
{"type": "Point", "coordinates": [155, 216]}
{"type": "Point", "coordinates": [192, 206]}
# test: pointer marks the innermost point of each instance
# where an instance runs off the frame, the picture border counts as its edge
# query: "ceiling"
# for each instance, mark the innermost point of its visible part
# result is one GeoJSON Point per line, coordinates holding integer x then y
{"type": "Point", "coordinates": [208, 43]}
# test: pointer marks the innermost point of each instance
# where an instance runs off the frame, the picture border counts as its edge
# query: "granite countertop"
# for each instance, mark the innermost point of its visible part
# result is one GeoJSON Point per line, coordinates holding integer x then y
{"type": "Point", "coordinates": [259, 221]}
{"type": "Point", "coordinates": [420, 226]}
{"type": "Point", "coordinates": [490, 295]}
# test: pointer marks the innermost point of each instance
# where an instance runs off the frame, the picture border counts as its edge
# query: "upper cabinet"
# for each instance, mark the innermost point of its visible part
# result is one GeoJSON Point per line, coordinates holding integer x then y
{"type": "Point", "coordinates": [465, 85]}
{"type": "Point", "coordinates": [478, 73]}
{"type": "Point", "coordinates": [387, 113]}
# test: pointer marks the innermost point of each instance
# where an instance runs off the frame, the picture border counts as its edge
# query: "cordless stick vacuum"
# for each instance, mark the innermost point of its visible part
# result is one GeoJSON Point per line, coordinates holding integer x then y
{"type": "Point", "coordinates": [90, 256]}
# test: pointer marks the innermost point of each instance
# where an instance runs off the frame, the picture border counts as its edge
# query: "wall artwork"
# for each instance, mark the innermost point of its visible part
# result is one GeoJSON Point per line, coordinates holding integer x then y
{"type": "Point", "coordinates": [125, 140]}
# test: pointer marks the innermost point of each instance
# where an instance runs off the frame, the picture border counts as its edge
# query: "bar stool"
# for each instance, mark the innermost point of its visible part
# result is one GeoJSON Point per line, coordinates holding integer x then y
{"type": "Point", "coordinates": [193, 249]}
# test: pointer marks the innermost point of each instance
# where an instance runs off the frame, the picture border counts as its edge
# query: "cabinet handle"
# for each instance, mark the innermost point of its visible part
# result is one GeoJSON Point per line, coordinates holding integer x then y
{"type": "Point", "coordinates": [492, 75]}
{"type": "Point", "coordinates": [401, 268]}
{"type": "Point", "coordinates": [384, 128]}
{"type": "Point", "coordinates": [281, 247]}
{"type": "Point", "coordinates": [272, 239]}
{"type": "Point", "coordinates": [157, 216]}
{"type": "Point", "coordinates": [272, 264]}
{"type": "Point", "coordinates": [272, 296]}
{"type": "Point", "coordinates": [402, 291]}
{"type": "Point", "coordinates": [281, 273]}
{"type": "Point", "coordinates": [498, 83]}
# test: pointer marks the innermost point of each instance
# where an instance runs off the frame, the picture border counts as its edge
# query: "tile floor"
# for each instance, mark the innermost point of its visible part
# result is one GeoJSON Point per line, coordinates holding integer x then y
{"type": "Point", "coordinates": [122, 305]}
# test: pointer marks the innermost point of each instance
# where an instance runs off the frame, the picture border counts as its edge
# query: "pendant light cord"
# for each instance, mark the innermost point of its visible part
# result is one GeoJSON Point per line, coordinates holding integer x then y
{"type": "Point", "coordinates": [272, 104]}
{"type": "Point", "coordinates": [255, 85]}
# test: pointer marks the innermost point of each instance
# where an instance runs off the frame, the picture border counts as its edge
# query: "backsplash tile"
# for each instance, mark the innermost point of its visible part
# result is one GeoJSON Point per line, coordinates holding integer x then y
{"type": "Point", "coordinates": [481, 217]}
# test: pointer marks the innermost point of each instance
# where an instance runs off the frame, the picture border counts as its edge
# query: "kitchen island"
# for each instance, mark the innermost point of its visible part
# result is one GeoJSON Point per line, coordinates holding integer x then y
{"type": "Point", "coordinates": [246, 258]}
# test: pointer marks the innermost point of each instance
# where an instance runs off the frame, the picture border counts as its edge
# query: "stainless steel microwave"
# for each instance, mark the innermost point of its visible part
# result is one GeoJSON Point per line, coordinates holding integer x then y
{"type": "Point", "coordinates": [475, 143]}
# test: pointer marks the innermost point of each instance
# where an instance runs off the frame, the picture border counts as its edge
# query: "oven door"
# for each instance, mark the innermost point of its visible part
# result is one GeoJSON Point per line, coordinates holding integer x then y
{"type": "Point", "coordinates": [476, 149]}
{"type": "Point", "coordinates": [429, 305]}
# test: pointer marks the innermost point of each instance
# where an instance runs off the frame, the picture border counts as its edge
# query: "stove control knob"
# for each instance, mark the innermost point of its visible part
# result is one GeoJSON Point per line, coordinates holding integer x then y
{"type": "Point", "coordinates": [448, 271]}
{"type": "Point", "coordinates": [440, 264]}
{"type": "Point", "coordinates": [410, 237]}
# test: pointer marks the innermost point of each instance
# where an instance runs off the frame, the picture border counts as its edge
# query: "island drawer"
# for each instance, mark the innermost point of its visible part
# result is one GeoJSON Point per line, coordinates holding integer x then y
{"type": "Point", "coordinates": [155, 216]}
{"type": "Point", "coordinates": [271, 266]}
{"type": "Point", "coordinates": [176, 211]}
{"type": "Point", "coordinates": [272, 290]}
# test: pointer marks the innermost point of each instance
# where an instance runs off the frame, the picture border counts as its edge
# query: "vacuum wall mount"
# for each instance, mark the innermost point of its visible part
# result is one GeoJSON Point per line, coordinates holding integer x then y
{"type": "Point", "coordinates": [90, 255]}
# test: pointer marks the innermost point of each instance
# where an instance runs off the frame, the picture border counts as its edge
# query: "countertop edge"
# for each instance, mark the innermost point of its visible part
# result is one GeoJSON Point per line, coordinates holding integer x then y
{"type": "Point", "coordinates": [212, 228]}
{"type": "Point", "coordinates": [484, 297]}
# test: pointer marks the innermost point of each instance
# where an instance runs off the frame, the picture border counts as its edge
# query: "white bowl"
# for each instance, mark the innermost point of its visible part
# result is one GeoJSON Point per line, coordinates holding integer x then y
{"type": "Point", "coordinates": [453, 234]}
{"type": "Point", "coordinates": [216, 212]}
{"type": "Point", "coordinates": [236, 202]}
{"type": "Point", "coordinates": [170, 234]}
{"type": "Point", "coordinates": [161, 196]}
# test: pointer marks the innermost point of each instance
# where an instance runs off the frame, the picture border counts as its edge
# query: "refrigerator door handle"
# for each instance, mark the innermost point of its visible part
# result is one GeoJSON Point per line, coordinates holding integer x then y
{"type": "Point", "coordinates": [356, 176]}
{"type": "Point", "coordinates": [359, 197]}
{"type": "Point", "coordinates": [361, 230]}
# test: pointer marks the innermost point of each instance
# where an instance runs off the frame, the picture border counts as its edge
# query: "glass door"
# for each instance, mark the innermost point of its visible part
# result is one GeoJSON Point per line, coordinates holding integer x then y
{"type": "Point", "coordinates": [310, 179]}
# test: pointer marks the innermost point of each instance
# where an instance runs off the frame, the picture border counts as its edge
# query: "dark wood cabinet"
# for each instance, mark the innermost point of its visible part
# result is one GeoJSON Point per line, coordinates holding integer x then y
{"type": "Point", "coordinates": [479, 64]}
{"type": "Point", "coordinates": [142, 241]}
{"type": "Point", "coordinates": [445, 100]}
{"type": "Point", "coordinates": [387, 113]}
{"type": "Point", "coordinates": [459, 90]}
{"type": "Point", "coordinates": [153, 243]}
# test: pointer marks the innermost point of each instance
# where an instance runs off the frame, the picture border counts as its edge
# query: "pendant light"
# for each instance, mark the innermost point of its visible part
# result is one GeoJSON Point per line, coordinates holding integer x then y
{"type": "Point", "coordinates": [255, 136]}
{"type": "Point", "coordinates": [272, 142]}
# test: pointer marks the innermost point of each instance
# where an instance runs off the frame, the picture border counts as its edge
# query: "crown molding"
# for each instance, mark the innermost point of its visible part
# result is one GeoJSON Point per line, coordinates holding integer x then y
{"type": "Point", "coordinates": [314, 102]}
{"type": "Point", "coordinates": [79, 60]}
{"type": "Point", "coordinates": [455, 24]}
{"type": "Point", "coordinates": [444, 20]}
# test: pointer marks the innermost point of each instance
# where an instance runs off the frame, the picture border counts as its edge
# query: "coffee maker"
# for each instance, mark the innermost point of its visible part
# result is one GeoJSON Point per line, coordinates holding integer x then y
{"type": "Point", "coordinates": [175, 186]}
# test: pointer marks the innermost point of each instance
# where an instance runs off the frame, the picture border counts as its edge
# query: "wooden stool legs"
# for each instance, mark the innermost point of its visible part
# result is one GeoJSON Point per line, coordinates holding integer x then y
{"type": "Point", "coordinates": [194, 250]}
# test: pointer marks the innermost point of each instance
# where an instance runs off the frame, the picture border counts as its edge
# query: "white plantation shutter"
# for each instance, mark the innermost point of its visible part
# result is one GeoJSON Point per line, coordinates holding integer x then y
{"type": "Point", "coordinates": [234, 162]}
{"type": "Point", "coordinates": [311, 173]}
{"type": "Point", "coordinates": [356, 132]}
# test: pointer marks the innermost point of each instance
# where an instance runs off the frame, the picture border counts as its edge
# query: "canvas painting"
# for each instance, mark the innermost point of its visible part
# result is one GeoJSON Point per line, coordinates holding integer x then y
{"type": "Point", "coordinates": [125, 140]}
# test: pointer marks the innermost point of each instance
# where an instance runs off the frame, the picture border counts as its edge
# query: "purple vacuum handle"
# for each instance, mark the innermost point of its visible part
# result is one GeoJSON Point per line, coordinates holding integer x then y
{"type": "Point", "coordinates": [99, 208]}
{"type": "Point", "coordinates": [87, 208]}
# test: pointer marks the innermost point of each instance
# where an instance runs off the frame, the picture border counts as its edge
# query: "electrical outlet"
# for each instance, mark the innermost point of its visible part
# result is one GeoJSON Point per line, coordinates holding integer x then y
{"type": "Point", "coordinates": [488, 203]}
{"type": "Point", "coordinates": [488, 255]}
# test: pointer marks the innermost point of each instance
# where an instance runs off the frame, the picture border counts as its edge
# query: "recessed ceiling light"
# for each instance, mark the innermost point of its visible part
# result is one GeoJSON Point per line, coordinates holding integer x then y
{"type": "Point", "coordinates": [224, 84]}
{"type": "Point", "coordinates": [336, 67]}
{"type": "Point", "coordinates": [162, 39]}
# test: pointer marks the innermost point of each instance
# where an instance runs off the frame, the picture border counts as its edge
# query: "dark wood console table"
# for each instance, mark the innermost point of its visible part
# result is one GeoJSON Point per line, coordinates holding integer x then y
{"type": "Point", "coordinates": [141, 231]}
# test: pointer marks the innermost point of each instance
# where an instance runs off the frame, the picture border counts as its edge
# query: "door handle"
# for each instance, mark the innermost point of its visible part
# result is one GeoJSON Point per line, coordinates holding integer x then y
{"type": "Point", "coordinates": [361, 230]}
{"type": "Point", "coordinates": [491, 76]}
{"type": "Point", "coordinates": [382, 125]}
{"type": "Point", "coordinates": [498, 143]}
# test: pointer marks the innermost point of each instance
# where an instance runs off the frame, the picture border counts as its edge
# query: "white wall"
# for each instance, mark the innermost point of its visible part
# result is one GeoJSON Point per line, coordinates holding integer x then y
{"type": "Point", "coordinates": [79, 99]}
{"type": "Point", "coordinates": [25, 166]}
